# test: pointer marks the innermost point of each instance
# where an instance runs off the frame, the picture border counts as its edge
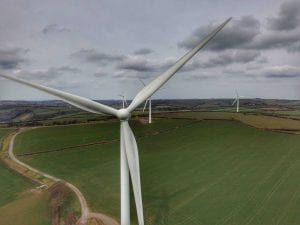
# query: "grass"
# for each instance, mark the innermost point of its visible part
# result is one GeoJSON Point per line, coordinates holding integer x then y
{"type": "Point", "coordinates": [10, 185]}
{"type": "Point", "coordinates": [288, 112]}
{"type": "Point", "coordinates": [259, 121]}
{"type": "Point", "coordinates": [28, 209]}
{"type": "Point", "coordinates": [64, 136]}
{"type": "Point", "coordinates": [193, 172]}
{"type": "Point", "coordinates": [17, 204]}
{"type": "Point", "coordinates": [4, 131]}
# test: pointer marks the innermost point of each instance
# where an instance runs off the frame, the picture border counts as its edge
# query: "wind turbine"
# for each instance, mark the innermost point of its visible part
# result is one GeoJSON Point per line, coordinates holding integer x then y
{"type": "Point", "coordinates": [128, 147]}
{"type": "Point", "coordinates": [124, 102]}
{"type": "Point", "coordinates": [237, 101]}
{"type": "Point", "coordinates": [150, 105]}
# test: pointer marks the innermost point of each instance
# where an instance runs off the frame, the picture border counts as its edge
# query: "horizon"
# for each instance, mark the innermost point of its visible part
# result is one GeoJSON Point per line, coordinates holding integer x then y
{"type": "Point", "coordinates": [154, 99]}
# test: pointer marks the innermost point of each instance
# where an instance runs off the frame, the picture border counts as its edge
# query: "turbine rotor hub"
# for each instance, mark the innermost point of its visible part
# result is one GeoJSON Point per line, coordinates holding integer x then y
{"type": "Point", "coordinates": [123, 114]}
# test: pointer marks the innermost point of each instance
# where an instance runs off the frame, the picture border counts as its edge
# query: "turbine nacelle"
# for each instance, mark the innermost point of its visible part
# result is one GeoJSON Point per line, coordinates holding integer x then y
{"type": "Point", "coordinates": [123, 114]}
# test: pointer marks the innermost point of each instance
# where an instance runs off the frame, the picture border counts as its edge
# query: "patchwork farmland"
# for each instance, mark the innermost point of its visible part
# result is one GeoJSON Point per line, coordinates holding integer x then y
{"type": "Point", "coordinates": [193, 171]}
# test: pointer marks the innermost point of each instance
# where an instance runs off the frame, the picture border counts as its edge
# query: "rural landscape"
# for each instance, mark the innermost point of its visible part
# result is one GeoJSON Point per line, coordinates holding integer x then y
{"type": "Point", "coordinates": [214, 166]}
{"type": "Point", "coordinates": [149, 112]}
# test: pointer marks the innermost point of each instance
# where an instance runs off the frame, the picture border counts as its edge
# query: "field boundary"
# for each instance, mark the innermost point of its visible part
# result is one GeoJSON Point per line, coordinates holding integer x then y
{"type": "Point", "coordinates": [104, 142]}
{"type": "Point", "coordinates": [239, 117]}
{"type": "Point", "coordinates": [46, 180]}
{"type": "Point", "coordinates": [72, 147]}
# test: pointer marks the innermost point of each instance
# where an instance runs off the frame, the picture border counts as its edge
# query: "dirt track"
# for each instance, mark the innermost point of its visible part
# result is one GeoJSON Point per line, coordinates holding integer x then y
{"type": "Point", "coordinates": [85, 212]}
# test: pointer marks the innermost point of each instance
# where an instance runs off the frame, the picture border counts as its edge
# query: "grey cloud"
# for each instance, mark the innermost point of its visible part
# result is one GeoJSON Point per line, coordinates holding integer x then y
{"type": "Point", "coordinates": [282, 31]}
{"type": "Point", "coordinates": [282, 75]}
{"type": "Point", "coordinates": [96, 57]}
{"type": "Point", "coordinates": [227, 58]}
{"type": "Point", "coordinates": [288, 18]}
{"type": "Point", "coordinates": [240, 56]}
{"type": "Point", "coordinates": [242, 73]}
{"type": "Point", "coordinates": [12, 58]}
{"type": "Point", "coordinates": [199, 77]}
{"type": "Point", "coordinates": [234, 72]}
{"type": "Point", "coordinates": [246, 56]}
{"type": "Point", "coordinates": [236, 34]}
{"type": "Point", "coordinates": [275, 40]}
{"type": "Point", "coordinates": [47, 74]}
{"type": "Point", "coordinates": [122, 75]}
{"type": "Point", "coordinates": [282, 72]}
{"type": "Point", "coordinates": [245, 34]}
{"type": "Point", "coordinates": [143, 51]}
{"type": "Point", "coordinates": [54, 28]}
{"type": "Point", "coordinates": [295, 47]}
{"type": "Point", "coordinates": [101, 73]}
{"type": "Point", "coordinates": [137, 63]}
{"type": "Point", "coordinates": [141, 64]}
{"type": "Point", "coordinates": [68, 69]}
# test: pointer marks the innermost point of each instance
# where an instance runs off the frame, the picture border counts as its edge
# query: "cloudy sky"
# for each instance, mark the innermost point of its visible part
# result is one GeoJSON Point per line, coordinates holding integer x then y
{"type": "Point", "coordinates": [100, 48]}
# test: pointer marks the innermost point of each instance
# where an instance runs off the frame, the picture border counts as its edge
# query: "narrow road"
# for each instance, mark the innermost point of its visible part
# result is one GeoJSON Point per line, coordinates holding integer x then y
{"type": "Point", "coordinates": [12, 157]}
{"type": "Point", "coordinates": [85, 212]}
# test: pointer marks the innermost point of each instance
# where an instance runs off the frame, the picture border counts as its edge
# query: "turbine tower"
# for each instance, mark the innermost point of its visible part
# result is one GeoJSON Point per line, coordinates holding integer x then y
{"type": "Point", "coordinates": [237, 101]}
{"type": "Point", "coordinates": [128, 146]}
{"type": "Point", "coordinates": [150, 105]}
{"type": "Point", "coordinates": [124, 101]}
{"type": "Point", "coordinates": [150, 109]}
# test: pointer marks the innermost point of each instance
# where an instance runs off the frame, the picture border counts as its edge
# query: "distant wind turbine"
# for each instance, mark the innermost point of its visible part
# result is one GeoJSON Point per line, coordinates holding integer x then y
{"type": "Point", "coordinates": [237, 101]}
{"type": "Point", "coordinates": [124, 101]}
{"type": "Point", "coordinates": [128, 146]}
{"type": "Point", "coordinates": [150, 105]}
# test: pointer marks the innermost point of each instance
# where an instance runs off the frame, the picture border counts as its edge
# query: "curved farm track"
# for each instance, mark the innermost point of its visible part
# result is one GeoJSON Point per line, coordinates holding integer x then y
{"type": "Point", "coordinates": [86, 214]}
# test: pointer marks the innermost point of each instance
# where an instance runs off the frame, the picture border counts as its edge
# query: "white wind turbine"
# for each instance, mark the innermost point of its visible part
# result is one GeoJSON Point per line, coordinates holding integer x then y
{"type": "Point", "coordinates": [150, 105]}
{"type": "Point", "coordinates": [128, 147]}
{"type": "Point", "coordinates": [237, 101]}
{"type": "Point", "coordinates": [124, 101]}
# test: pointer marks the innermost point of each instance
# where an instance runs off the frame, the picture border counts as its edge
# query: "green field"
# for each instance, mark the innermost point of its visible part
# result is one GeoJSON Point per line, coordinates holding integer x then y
{"type": "Point", "coordinates": [10, 182]}
{"type": "Point", "coordinates": [3, 132]}
{"type": "Point", "coordinates": [255, 120]}
{"type": "Point", "coordinates": [11, 185]}
{"type": "Point", "coordinates": [27, 209]}
{"type": "Point", "coordinates": [18, 205]}
{"type": "Point", "coordinates": [193, 172]}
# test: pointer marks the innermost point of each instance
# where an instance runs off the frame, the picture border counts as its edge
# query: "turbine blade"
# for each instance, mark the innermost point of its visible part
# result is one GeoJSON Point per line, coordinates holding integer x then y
{"type": "Point", "coordinates": [143, 83]}
{"type": "Point", "coordinates": [145, 104]}
{"type": "Point", "coordinates": [153, 86]}
{"type": "Point", "coordinates": [234, 101]}
{"type": "Point", "coordinates": [134, 168]}
{"type": "Point", "coordinates": [237, 94]}
{"type": "Point", "coordinates": [77, 101]}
